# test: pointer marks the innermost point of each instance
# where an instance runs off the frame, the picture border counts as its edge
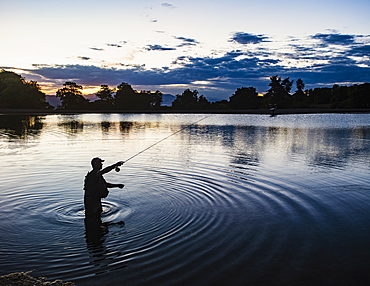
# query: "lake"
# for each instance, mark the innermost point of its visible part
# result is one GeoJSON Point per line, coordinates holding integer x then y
{"type": "Point", "coordinates": [214, 200]}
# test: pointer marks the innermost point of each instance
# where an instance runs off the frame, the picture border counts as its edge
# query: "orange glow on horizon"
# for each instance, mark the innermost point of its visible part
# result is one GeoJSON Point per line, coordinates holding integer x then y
{"type": "Point", "coordinates": [90, 90]}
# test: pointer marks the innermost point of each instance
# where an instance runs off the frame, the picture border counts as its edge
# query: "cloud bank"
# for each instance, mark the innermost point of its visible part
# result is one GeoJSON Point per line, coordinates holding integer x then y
{"type": "Point", "coordinates": [246, 38]}
{"type": "Point", "coordinates": [320, 60]}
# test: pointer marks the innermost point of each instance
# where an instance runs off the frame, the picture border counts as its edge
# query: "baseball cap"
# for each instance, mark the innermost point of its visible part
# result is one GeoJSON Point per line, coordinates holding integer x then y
{"type": "Point", "coordinates": [96, 159]}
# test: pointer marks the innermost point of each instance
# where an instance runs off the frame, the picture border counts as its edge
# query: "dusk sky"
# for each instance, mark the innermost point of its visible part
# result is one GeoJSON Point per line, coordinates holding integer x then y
{"type": "Point", "coordinates": [212, 46]}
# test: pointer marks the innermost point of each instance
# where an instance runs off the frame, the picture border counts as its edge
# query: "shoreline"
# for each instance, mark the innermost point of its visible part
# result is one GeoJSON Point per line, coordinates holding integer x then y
{"type": "Point", "coordinates": [166, 111]}
{"type": "Point", "coordinates": [25, 279]}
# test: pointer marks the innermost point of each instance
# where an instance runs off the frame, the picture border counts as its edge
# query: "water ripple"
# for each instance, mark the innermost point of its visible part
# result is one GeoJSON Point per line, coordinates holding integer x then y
{"type": "Point", "coordinates": [212, 206]}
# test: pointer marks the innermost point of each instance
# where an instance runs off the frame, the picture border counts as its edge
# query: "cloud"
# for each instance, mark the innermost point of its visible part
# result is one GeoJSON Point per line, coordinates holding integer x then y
{"type": "Point", "coordinates": [96, 49]}
{"type": "Point", "coordinates": [84, 58]}
{"type": "Point", "coordinates": [114, 45]}
{"type": "Point", "coordinates": [333, 49]}
{"type": "Point", "coordinates": [223, 73]}
{"type": "Point", "coordinates": [359, 51]}
{"type": "Point", "coordinates": [246, 38]}
{"type": "Point", "coordinates": [217, 77]}
{"type": "Point", "coordinates": [93, 75]}
{"type": "Point", "coordinates": [191, 69]}
{"type": "Point", "coordinates": [341, 60]}
{"type": "Point", "coordinates": [186, 41]}
{"type": "Point", "coordinates": [158, 48]}
{"type": "Point", "coordinates": [168, 5]}
{"type": "Point", "coordinates": [334, 39]}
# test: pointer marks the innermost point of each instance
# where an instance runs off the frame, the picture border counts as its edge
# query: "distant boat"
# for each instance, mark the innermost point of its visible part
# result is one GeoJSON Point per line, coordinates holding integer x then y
{"type": "Point", "coordinates": [273, 110]}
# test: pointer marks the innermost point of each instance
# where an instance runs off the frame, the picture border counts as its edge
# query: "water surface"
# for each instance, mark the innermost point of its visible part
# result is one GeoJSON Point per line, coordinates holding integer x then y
{"type": "Point", "coordinates": [229, 200]}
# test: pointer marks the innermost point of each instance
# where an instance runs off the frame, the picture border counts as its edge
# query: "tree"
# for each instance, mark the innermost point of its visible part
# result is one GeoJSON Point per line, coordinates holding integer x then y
{"type": "Point", "coordinates": [71, 96]}
{"type": "Point", "coordinates": [279, 91]}
{"type": "Point", "coordinates": [156, 99]}
{"type": "Point", "coordinates": [130, 99]}
{"type": "Point", "coordinates": [360, 95]}
{"type": "Point", "coordinates": [16, 92]}
{"type": "Point", "coordinates": [187, 100]}
{"type": "Point", "coordinates": [287, 85]}
{"type": "Point", "coordinates": [245, 97]}
{"type": "Point", "coordinates": [203, 103]}
{"type": "Point", "coordinates": [300, 85]}
{"type": "Point", "coordinates": [300, 98]}
{"type": "Point", "coordinates": [220, 105]}
{"type": "Point", "coordinates": [105, 95]}
{"type": "Point", "coordinates": [143, 100]}
{"type": "Point", "coordinates": [125, 96]}
{"type": "Point", "coordinates": [340, 97]}
{"type": "Point", "coordinates": [319, 96]}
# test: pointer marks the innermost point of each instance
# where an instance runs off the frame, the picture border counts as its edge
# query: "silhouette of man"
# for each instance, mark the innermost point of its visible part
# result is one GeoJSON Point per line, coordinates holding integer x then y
{"type": "Point", "coordinates": [96, 188]}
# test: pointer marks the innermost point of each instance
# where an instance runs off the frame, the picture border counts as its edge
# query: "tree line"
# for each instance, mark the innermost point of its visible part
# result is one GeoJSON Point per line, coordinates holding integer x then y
{"type": "Point", "coordinates": [16, 92]}
{"type": "Point", "coordinates": [124, 97]}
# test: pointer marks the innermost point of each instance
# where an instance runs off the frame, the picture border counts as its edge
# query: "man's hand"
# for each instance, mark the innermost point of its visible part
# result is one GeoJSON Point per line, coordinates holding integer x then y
{"type": "Point", "coordinates": [121, 186]}
{"type": "Point", "coordinates": [120, 163]}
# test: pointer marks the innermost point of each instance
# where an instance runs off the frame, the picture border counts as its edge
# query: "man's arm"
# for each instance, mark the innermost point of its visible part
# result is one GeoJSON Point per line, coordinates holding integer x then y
{"type": "Point", "coordinates": [110, 168]}
{"type": "Point", "coordinates": [109, 185]}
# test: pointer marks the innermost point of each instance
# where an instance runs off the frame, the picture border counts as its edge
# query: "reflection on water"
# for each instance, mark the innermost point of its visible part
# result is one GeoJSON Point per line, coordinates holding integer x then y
{"type": "Point", "coordinates": [231, 200]}
{"type": "Point", "coordinates": [15, 126]}
{"type": "Point", "coordinates": [96, 234]}
{"type": "Point", "coordinates": [73, 126]}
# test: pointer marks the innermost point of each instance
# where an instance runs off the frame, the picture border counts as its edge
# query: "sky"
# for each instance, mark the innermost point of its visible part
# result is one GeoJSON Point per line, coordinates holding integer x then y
{"type": "Point", "coordinates": [211, 46]}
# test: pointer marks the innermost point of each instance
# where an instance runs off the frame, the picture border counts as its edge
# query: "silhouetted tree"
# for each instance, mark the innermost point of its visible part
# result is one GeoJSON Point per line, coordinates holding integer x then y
{"type": "Point", "coordinates": [16, 92]}
{"type": "Point", "coordinates": [300, 85]}
{"type": "Point", "coordinates": [130, 99]}
{"type": "Point", "coordinates": [143, 100]}
{"type": "Point", "coordinates": [319, 96]}
{"type": "Point", "coordinates": [203, 103]}
{"type": "Point", "coordinates": [125, 96]}
{"type": "Point", "coordinates": [287, 85]}
{"type": "Point", "coordinates": [300, 98]}
{"type": "Point", "coordinates": [105, 95]}
{"type": "Point", "coordinates": [279, 91]}
{"type": "Point", "coordinates": [360, 95]}
{"type": "Point", "coordinates": [356, 96]}
{"type": "Point", "coordinates": [340, 97]}
{"type": "Point", "coordinates": [187, 100]}
{"type": "Point", "coordinates": [71, 96]}
{"type": "Point", "coordinates": [220, 105]}
{"type": "Point", "coordinates": [156, 99]}
{"type": "Point", "coordinates": [245, 97]}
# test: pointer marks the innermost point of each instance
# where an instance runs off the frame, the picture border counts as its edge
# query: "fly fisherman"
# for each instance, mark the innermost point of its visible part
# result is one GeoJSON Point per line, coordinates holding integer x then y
{"type": "Point", "coordinates": [96, 188]}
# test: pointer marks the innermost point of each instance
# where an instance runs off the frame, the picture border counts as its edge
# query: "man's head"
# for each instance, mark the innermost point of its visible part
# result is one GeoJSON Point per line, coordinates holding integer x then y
{"type": "Point", "coordinates": [97, 163]}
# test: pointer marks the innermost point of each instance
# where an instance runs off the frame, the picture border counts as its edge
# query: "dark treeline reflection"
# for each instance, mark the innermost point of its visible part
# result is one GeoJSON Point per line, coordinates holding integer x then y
{"type": "Point", "coordinates": [334, 148]}
{"type": "Point", "coordinates": [105, 126]}
{"type": "Point", "coordinates": [72, 126]}
{"type": "Point", "coordinates": [126, 127]}
{"type": "Point", "coordinates": [15, 126]}
{"type": "Point", "coordinates": [327, 148]}
{"type": "Point", "coordinates": [244, 145]}
{"type": "Point", "coordinates": [76, 126]}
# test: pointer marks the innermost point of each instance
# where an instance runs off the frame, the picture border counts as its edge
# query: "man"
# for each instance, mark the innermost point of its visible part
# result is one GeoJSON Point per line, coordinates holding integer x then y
{"type": "Point", "coordinates": [96, 188]}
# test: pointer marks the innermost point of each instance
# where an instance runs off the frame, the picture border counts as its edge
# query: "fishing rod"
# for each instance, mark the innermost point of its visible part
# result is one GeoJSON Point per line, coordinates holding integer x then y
{"type": "Point", "coordinates": [142, 151]}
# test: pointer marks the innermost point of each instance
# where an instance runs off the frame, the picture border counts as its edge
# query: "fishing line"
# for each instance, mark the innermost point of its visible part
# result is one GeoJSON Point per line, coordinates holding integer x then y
{"type": "Point", "coordinates": [137, 154]}
{"type": "Point", "coordinates": [147, 148]}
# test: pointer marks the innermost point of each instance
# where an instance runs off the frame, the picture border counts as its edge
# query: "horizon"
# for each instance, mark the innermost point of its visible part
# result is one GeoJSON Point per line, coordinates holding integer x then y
{"type": "Point", "coordinates": [209, 46]}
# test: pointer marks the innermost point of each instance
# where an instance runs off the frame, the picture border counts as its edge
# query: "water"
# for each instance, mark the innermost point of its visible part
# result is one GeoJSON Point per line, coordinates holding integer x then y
{"type": "Point", "coordinates": [230, 200]}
